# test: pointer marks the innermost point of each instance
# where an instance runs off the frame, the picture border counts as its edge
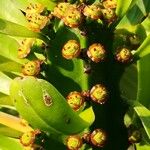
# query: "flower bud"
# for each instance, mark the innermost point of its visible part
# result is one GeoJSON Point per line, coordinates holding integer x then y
{"type": "Point", "coordinates": [96, 52]}
{"type": "Point", "coordinates": [33, 139]}
{"type": "Point", "coordinates": [60, 9]}
{"type": "Point", "coordinates": [109, 15]}
{"type": "Point", "coordinates": [75, 100]}
{"type": "Point", "coordinates": [35, 8]}
{"type": "Point", "coordinates": [99, 94]}
{"type": "Point", "coordinates": [73, 17]}
{"type": "Point", "coordinates": [25, 47]}
{"type": "Point", "coordinates": [93, 11]}
{"type": "Point", "coordinates": [27, 138]}
{"type": "Point", "coordinates": [74, 142]}
{"type": "Point", "coordinates": [37, 22]}
{"type": "Point", "coordinates": [71, 49]}
{"type": "Point", "coordinates": [124, 55]}
{"type": "Point", "coordinates": [110, 4]}
{"type": "Point", "coordinates": [98, 138]}
{"type": "Point", "coordinates": [31, 68]}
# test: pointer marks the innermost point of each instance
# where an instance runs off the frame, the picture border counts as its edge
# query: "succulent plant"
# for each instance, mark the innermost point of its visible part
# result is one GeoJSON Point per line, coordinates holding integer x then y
{"type": "Point", "coordinates": [74, 74]}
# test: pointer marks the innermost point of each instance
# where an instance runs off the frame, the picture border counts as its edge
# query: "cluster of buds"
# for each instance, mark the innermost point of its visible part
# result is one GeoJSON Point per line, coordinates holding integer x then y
{"type": "Point", "coordinates": [72, 14]}
{"type": "Point", "coordinates": [109, 10]}
{"type": "Point", "coordinates": [97, 138]}
{"type": "Point", "coordinates": [69, 13]}
{"type": "Point", "coordinates": [33, 140]}
{"type": "Point", "coordinates": [37, 20]}
{"type": "Point", "coordinates": [95, 52]}
{"type": "Point", "coordinates": [104, 11]}
{"type": "Point", "coordinates": [98, 94]}
{"type": "Point", "coordinates": [31, 68]}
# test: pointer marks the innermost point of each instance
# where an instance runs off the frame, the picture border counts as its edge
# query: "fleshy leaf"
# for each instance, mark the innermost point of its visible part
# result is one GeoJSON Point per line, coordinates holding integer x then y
{"type": "Point", "coordinates": [48, 101]}
{"type": "Point", "coordinates": [122, 7]}
{"type": "Point", "coordinates": [144, 48]}
{"type": "Point", "coordinates": [144, 81]}
{"type": "Point", "coordinates": [144, 115]}
{"type": "Point", "coordinates": [88, 115]}
{"type": "Point", "coordinates": [7, 143]}
{"type": "Point", "coordinates": [13, 29]}
{"type": "Point", "coordinates": [5, 100]}
{"type": "Point", "coordinates": [9, 49]}
{"type": "Point", "coordinates": [8, 11]}
{"type": "Point", "coordinates": [4, 83]}
{"type": "Point", "coordinates": [142, 147]}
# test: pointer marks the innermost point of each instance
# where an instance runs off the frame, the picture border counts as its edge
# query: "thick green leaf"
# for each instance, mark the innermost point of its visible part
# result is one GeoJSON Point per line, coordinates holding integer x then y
{"type": "Point", "coordinates": [9, 132]}
{"type": "Point", "coordinates": [7, 143]}
{"type": "Point", "coordinates": [21, 4]}
{"type": "Point", "coordinates": [122, 7]}
{"type": "Point", "coordinates": [88, 115]}
{"type": "Point", "coordinates": [63, 119]}
{"type": "Point", "coordinates": [5, 100]}
{"type": "Point", "coordinates": [144, 48]}
{"type": "Point", "coordinates": [9, 66]}
{"type": "Point", "coordinates": [144, 115]}
{"type": "Point", "coordinates": [142, 147]}
{"type": "Point", "coordinates": [13, 29]}
{"type": "Point", "coordinates": [135, 14]}
{"type": "Point", "coordinates": [128, 83]}
{"type": "Point", "coordinates": [8, 11]}
{"type": "Point", "coordinates": [4, 83]}
{"type": "Point", "coordinates": [9, 49]}
{"type": "Point", "coordinates": [146, 24]}
{"type": "Point", "coordinates": [144, 81]}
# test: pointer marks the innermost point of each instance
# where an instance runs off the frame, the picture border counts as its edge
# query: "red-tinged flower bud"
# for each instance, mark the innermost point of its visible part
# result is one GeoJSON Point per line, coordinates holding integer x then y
{"type": "Point", "coordinates": [96, 52]}
{"type": "Point", "coordinates": [99, 94]}
{"type": "Point", "coordinates": [110, 4]}
{"type": "Point", "coordinates": [25, 47]}
{"type": "Point", "coordinates": [73, 17]}
{"type": "Point", "coordinates": [93, 11]}
{"type": "Point", "coordinates": [74, 142]}
{"type": "Point", "coordinates": [71, 49]}
{"type": "Point", "coordinates": [98, 138]}
{"type": "Point", "coordinates": [109, 15]}
{"type": "Point", "coordinates": [75, 100]}
{"type": "Point", "coordinates": [124, 55]}
{"type": "Point", "coordinates": [60, 9]}
{"type": "Point", "coordinates": [28, 138]}
{"type": "Point", "coordinates": [31, 68]}
{"type": "Point", "coordinates": [37, 22]}
{"type": "Point", "coordinates": [33, 139]}
{"type": "Point", "coordinates": [35, 8]}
